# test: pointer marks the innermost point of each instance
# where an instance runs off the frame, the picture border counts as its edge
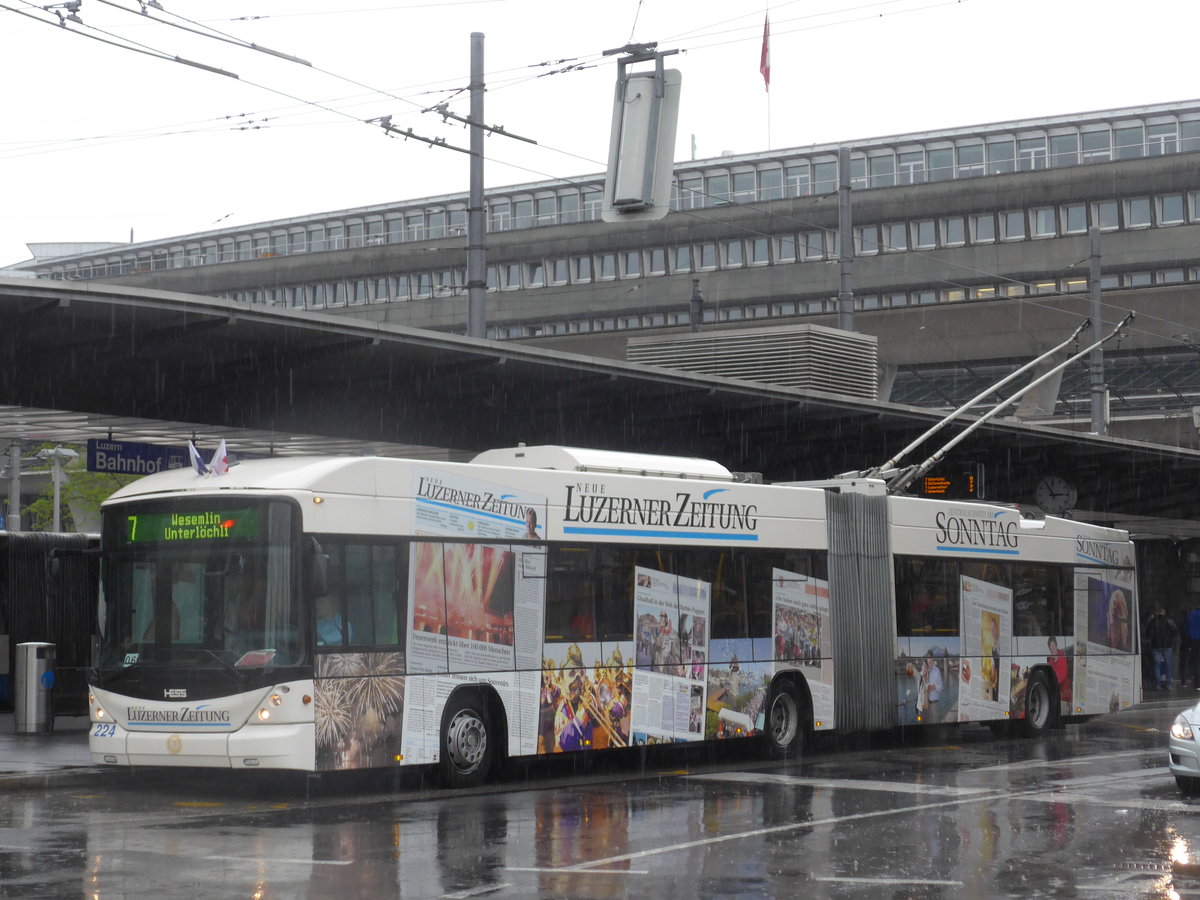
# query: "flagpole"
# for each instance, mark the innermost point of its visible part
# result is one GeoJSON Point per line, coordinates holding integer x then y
{"type": "Point", "coordinates": [764, 67]}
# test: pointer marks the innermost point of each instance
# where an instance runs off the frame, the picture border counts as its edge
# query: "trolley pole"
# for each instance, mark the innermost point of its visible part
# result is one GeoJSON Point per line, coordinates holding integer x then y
{"type": "Point", "coordinates": [1098, 389]}
{"type": "Point", "coordinates": [476, 237]}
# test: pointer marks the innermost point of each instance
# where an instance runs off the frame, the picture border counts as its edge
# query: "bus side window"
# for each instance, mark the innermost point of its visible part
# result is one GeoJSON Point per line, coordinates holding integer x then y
{"type": "Point", "coordinates": [360, 628]}
{"type": "Point", "coordinates": [725, 573]}
{"type": "Point", "coordinates": [1065, 576]}
{"type": "Point", "coordinates": [330, 610]}
{"type": "Point", "coordinates": [927, 598]}
{"type": "Point", "coordinates": [1042, 600]}
{"type": "Point", "coordinates": [388, 592]}
{"type": "Point", "coordinates": [570, 594]}
{"type": "Point", "coordinates": [373, 595]}
{"type": "Point", "coordinates": [614, 585]}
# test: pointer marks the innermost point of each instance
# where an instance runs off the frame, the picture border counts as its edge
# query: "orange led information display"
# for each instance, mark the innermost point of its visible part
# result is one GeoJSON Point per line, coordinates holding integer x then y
{"type": "Point", "coordinates": [956, 486]}
{"type": "Point", "coordinates": [934, 485]}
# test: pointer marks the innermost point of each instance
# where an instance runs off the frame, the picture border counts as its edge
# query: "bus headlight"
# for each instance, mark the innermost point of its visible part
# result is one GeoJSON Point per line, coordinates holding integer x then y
{"type": "Point", "coordinates": [276, 700]}
{"type": "Point", "coordinates": [264, 714]}
{"type": "Point", "coordinates": [1181, 728]}
{"type": "Point", "coordinates": [100, 713]}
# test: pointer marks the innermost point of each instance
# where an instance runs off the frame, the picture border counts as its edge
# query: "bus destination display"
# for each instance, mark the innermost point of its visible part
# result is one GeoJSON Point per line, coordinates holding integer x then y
{"type": "Point", "coordinates": [194, 525]}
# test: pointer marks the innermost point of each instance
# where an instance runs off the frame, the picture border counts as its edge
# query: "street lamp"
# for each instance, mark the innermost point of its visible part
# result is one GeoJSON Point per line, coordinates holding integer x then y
{"type": "Point", "coordinates": [58, 454]}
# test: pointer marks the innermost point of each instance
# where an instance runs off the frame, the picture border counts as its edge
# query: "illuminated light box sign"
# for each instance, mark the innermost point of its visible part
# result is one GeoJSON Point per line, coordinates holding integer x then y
{"type": "Point", "coordinates": [128, 458]}
{"type": "Point", "coordinates": [194, 525]}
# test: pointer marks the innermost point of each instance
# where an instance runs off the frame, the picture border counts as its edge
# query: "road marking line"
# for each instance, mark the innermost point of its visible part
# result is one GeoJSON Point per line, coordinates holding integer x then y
{"type": "Point", "coordinates": [1040, 793]}
{"type": "Point", "coordinates": [894, 787]}
{"type": "Point", "coordinates": [1073, 761]}
{"type": "Point", "coordinates": [796, 826]}
{"type": "Point", "coordinates": [476, 892]}
{"type": "Point", "coordinates": [1085, 780]}
{"type": "Point", "coordinates": [885, 880]}
{"type": "Point", "coordinates": [273, 859]}
{"type": "Point", "coordinates": [1140, 805]}
{"type": "Point", "coordinates": [576, 870]}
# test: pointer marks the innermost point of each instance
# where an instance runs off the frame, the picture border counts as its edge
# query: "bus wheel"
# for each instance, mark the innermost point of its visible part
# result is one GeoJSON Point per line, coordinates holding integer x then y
{"type": "Point", "coordinates": [1040, 702]}
{"type": "Point", "coordinates": [467, 744]}
{"type": "Point", "coordinates": [786, 727]}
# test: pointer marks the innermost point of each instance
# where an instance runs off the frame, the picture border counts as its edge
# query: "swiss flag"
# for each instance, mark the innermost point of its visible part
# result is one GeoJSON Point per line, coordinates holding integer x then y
{"type": "Point", "coordinates": [764, 62]}
{"type": "Point", "coordinates": [220, 460]}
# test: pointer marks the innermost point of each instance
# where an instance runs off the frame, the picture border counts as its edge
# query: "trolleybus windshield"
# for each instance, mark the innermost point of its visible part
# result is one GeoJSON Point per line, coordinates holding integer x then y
{"type": "Point", "coordinates": [202, 585]}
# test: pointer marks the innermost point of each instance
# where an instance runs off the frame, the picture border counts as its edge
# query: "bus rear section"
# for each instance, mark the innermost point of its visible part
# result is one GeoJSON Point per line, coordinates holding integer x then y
{"type": "Point", "coordinates": [1003, 619]}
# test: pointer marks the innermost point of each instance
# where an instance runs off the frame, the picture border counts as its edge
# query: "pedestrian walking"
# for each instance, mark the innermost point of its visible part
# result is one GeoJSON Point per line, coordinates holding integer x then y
{"type": "Point", "coordinates": [1160, 634]}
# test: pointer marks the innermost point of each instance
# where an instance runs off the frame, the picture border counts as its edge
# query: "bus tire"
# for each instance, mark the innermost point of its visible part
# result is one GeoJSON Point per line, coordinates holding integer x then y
{"type": "Point", "coordinates": [468, 745]}
{"type": "Point", "coordinates": [786, 721]}
{"type": "Point", "coordinates": [1041, 705]}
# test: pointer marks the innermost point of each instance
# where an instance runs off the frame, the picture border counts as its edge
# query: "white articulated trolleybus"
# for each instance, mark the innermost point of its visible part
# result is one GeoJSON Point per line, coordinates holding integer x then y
{"type": "Point", "coordinates": [325, 614]}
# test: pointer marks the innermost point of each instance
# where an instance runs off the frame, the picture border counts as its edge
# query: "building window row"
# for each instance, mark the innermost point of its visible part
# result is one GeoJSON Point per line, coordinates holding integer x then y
{"type": "Point", "coordinates": [1039, 222]}
{"type": "Point", "coordinates": [360, 291]}
{"type": "Point", "coordinates": [828, 305]}
{"type": "Point", "coordinates": [890, 237]}
{"type": "Point", "coordinates": [885, 164]}
{"type": "Point", "coordinates": [938, 160]}
{"type": "Point", "coordinates": [927, 233]}
{"type": "Point", "coordinates": [918, 234]}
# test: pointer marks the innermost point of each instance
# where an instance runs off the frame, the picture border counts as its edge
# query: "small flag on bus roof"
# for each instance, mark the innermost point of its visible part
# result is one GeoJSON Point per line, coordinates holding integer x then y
{"type": "Point", "coordinates": [197, 462]}
{"type": "Point", "coordinates": [220, 460]}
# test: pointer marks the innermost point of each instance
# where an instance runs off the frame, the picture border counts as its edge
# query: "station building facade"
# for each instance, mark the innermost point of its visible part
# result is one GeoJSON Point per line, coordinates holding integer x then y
{"type": "Point", "coordinates": [971, 256]}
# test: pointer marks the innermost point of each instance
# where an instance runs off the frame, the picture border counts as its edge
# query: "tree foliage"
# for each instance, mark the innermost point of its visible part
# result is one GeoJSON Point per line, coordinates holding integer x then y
{"type": "Point", "coordinates": [82, 490]}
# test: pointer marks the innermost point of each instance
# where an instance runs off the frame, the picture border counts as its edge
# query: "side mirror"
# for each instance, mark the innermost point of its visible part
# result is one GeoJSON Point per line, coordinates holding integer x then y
{"type": "Point", "coordinates": [316, 575]}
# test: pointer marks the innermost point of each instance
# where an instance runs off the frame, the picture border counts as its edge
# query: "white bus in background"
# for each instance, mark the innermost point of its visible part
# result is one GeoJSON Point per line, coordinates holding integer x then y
{"type": "Point", "coordinates": [326, 613]}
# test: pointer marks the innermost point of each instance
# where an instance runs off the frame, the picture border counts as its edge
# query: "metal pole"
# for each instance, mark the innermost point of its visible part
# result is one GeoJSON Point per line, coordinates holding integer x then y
{"type": "Point", "coordinates": [1096, 362]}
{"type": "Point", "coordinates": [696, 306]}
{"type": "Point", "coordinates": [845, 298]}
{"type": "Point", "coordinates": [55, 475]}
{"type": "Point", "coordinates": [476, 238]}
{"type": "Point", "coordinates": [12, 522]}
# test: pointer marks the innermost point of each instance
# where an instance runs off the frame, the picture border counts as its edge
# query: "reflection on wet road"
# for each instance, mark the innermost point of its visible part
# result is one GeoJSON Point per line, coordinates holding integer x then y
{"type": "Point", "coordinates": [1089, 811]}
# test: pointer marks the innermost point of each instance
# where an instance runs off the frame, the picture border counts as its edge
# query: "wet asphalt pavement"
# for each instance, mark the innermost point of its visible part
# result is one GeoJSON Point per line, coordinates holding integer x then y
{"type": "Point", "coordinates": [1090, 811]}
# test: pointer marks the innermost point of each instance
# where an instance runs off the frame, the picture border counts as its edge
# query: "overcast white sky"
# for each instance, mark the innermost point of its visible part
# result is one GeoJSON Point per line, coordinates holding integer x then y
{"type": "Point", "coordinates": [96, 140]}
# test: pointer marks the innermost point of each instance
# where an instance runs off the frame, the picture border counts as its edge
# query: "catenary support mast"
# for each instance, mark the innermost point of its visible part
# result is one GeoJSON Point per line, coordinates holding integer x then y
{"type": "Point", "coordinates": [476, 238]}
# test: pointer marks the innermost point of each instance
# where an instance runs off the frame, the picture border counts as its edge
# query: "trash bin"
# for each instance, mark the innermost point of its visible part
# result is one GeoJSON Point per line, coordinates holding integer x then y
{"type": "Point", "coordinates": [33, 685]}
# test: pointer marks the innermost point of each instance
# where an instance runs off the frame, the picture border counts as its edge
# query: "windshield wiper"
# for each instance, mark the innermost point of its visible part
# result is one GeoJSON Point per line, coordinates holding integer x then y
{"type": "Point", "coordinates": [238, 675]}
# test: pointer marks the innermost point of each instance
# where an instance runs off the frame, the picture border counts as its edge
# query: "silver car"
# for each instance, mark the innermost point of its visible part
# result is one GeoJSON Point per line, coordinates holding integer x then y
{"type": "Point", "coordinates": [1184, 751]}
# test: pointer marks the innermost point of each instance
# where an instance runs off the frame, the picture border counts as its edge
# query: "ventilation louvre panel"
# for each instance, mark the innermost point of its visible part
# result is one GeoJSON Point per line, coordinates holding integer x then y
{"type": "Point", "coordinates": [802, 356]}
